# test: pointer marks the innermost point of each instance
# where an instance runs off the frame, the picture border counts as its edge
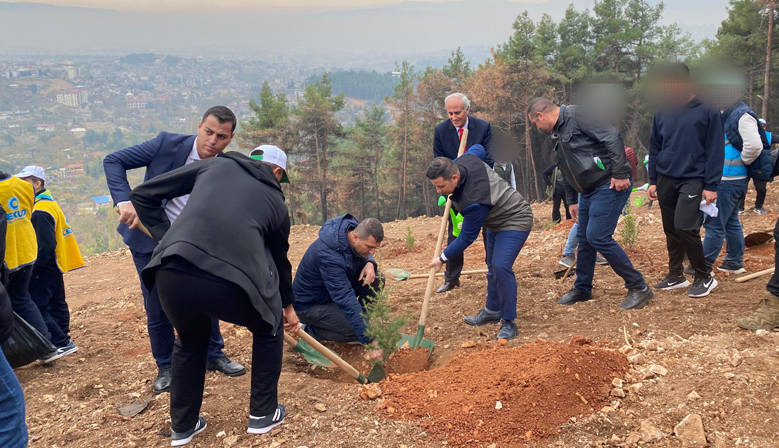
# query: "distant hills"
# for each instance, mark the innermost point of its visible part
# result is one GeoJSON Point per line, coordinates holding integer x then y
{"type": "Point", "coordinates": [371, 37]}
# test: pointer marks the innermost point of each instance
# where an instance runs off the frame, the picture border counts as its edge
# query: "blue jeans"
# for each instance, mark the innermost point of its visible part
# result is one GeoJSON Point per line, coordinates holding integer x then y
{"type": "Point", "coordinates": [726, 227]}
{"type": "Point", "coordinates": [502, 250]}
{"type": "Point", "coordinates": [13, 430]}
{"type": "Point", "coordinates": [599, 212]}
{"type": "Point", "coordinates": [161, 336]}
{"type": "Point", "coordinates": [572, 243]}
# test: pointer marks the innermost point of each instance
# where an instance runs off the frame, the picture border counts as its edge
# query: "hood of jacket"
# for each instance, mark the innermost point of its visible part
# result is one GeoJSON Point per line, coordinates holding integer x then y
{"type": "Point", "coordinates": [333, 232]}
{"type": "Point", "coordinates": [256, 168]}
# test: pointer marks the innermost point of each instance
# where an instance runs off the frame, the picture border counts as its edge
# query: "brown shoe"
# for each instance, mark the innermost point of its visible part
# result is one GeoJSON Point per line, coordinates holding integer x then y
{"type": "Point", "coordinates": [765, 317]}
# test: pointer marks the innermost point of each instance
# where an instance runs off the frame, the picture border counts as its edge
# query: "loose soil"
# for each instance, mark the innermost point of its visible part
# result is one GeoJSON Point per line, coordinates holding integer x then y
{"type": "Point", "coordinates": [733, 372]}
{"type": "Point", "coordinates": [407, 360]}
{"type": "Point", "coordinates": [507, 396]}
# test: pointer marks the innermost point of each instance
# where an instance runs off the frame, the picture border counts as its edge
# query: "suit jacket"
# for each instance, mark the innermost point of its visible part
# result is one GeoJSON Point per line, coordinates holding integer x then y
{"type": "Point", "coordinates": [160, 155]}
{"type": "Point", "coordinates": [446, 142]}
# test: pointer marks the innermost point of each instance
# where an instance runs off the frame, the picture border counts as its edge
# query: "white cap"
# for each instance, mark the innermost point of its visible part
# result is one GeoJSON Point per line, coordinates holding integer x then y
{"type": "Point", "coordinates": [271, 154]}
{"type": "Point", "coordinates": [32, 170]}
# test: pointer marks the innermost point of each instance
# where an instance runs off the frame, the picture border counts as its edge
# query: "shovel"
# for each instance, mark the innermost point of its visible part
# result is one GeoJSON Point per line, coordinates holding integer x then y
{"type": "Point", "coordinates": [308, 352]}
{"type": "Point", "coordinates": [323, 351]}
{"type": "Point", "coordinates": [401, 275]}
{"type": "Point", "coordinates": [757, 238]}
{"type": "Point", "coordinates": [417, 341]}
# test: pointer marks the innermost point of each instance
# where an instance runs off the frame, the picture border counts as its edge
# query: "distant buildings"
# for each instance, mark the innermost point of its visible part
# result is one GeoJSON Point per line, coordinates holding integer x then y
{"type": "Point", "coordinates": [44, 127]}
{"type": "Point", "coordinates": [74, 97]}
{"type": "Point", "coordinates": [73, 72]}
{"type": "Point", "coordinates": [144, 102]}
{"type": "Point", "coordinates": [77, 132]}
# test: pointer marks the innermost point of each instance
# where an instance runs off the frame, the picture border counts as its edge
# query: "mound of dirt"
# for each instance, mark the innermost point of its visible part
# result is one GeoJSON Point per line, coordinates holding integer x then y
{"type": "Point", "coordinates": [506, 396]}
{"type": "Point", "coordinates": [406, 360]}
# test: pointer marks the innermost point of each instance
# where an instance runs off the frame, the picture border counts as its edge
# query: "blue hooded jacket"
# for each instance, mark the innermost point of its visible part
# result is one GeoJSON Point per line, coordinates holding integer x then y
{"type": "Point", "coordinates": [325, 272]}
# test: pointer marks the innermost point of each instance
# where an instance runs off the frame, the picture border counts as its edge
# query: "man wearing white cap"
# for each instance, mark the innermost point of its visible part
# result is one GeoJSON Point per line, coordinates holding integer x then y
{"type": "Point", "coordinates": [58, 253]}
{"type": "Point", "coordinates": [274, 157]}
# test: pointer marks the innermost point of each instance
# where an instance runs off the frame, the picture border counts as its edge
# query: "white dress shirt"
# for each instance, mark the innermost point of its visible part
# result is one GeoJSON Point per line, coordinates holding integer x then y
{"type": "Point", "coordinates": [464, 127]}
{"type": "Point", "coordinates": [174, 206]}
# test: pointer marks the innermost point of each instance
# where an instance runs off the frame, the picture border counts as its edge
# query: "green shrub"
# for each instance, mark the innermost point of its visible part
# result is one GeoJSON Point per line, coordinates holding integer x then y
{"type": "Point", "coordinates": [381, 325]}
{"type": "Point", "coordinates": [549, 224]}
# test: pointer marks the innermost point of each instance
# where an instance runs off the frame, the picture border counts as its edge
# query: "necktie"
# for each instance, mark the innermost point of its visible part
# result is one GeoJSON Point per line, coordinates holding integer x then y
{"type": "Point", "coordinates": [460, 132]}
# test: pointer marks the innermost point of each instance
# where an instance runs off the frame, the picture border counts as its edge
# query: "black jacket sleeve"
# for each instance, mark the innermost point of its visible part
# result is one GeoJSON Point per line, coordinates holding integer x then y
{"type": "Point", "coordinates": [279, 246]}
{"type": "Point", "coordinates": [609, 137]}
{"type": "Point", "coordinates": [147, 198]}
{"type": "Point", "coordinates": [571, 195]}
{"type": "Point", "coordinates": [547, 175]}
{"type": "Point", "coordinates": [43, 223]}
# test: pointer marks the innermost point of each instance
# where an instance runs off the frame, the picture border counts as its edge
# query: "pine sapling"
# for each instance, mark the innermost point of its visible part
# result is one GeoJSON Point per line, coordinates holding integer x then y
{"type": "Point", "coordinates": [381, 325]}
{"type": "Point", "coordinates": [630, 230]}
{"type": "Point", "coordinates": [410, 239]}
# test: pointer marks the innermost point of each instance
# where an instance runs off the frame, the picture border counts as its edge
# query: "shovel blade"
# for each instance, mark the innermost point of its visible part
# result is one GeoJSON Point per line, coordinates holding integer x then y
{"type": "Point", "coordinates": [407, 341]}
{"type": "Point", "coordinates": [311, 355]}
{"type": "Point", "coordinates": [377, 373]}
{"type": "Point", "coordinates": [397, 274]}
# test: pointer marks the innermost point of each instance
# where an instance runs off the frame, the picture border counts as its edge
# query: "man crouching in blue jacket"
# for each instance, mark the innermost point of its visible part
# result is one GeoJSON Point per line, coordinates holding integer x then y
{"type": "Point", "coordinates": [336, 277]}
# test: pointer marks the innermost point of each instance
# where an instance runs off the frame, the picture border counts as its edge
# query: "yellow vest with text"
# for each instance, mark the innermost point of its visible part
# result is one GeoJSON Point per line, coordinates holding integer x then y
{"type": "Point", "coordinates": [21, 245]}
{"type": "Point", "coordinates": [67, 253]}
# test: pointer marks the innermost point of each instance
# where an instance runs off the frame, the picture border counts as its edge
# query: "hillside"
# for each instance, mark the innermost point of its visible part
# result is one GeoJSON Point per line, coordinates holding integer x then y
{"type": "Point", "coordinates": [732, 372]}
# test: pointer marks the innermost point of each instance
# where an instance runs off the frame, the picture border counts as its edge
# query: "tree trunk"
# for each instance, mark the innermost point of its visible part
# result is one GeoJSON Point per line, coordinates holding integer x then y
{"type": "Point", "coordinates": [529, 149]}
{"type": "Point", "coordinates": [376, 179]}
{"type": "Point", "coordinates": [323, 193]}
{"type": "Point", "coordinates": [319, 166]}
{"type": "Point", "coordinates": [767, 87]}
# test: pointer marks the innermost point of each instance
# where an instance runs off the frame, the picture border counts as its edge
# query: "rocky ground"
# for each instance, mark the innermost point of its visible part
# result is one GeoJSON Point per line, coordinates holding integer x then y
{"type": "Point", "coordinates": [694, 378]}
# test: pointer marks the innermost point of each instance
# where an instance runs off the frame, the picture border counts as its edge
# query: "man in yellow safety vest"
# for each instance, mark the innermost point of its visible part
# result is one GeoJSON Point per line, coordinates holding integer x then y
{"type": "Point", "coordinates": [57, 254]}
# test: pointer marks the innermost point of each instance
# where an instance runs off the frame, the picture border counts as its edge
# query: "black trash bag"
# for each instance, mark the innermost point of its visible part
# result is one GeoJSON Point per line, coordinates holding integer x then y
{"type": "Point", "coordinates": [26, 344]}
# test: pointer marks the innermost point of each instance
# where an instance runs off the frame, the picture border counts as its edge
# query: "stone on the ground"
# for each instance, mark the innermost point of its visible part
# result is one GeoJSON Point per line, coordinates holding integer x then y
{"type": "Point", "coordinates": [632, 439]}
{"type": "Point", "coordinates": [619, 393]}
{"type": "Point", "coordinates": [230, 441]}
{"type": "Point", "coordinates": [690, 431]}
{"type": "Point", "coordinates": [616, 382]}
{"type": "Point", "coordinates": [658, 370]}
{"type": "Point", "coordinates": [649, 432]}
{"type": "Point", "coordinates": [735, 360]}
{"type": "Point", "coordinates": [762, 332]}
{"type": "Point", "coordinates": [693, 396]}
{"type": "Point", "coordinates": [636, 359]}
{"type": "Point", "coordinates": [635, 388]}
{"type": "Point", "coordinates": [320, 407]}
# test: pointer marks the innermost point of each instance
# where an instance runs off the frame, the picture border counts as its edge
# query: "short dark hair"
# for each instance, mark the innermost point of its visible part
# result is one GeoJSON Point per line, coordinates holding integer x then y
{"type": "Point", "coordinates": [222, 114]}
{"type": "Point", "coordinates": [540, 104]}
{"type": "Point", "coordinates": [441, 167]}
{"type": "Point", "coordinates": [670, 71]}
{"type": "Point", "coordinates": [38, 179]}
{"type": "Point", "coordinates": [370, 227]}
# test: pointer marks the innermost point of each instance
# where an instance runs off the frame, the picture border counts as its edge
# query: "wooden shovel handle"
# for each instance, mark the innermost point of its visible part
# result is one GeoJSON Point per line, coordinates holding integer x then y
{"type": "Point", "coordinates": [749, 277]}
{"type": "Point", "coordinates": [568, 272]}
{"type": "Point", "coordinates": [327, 354]}
{"type": "Point", "coordinates": [474, 272]}
{"type": "Point", "coordinates": [440, 243]}
{"type": "Point", "coordinates": [290, 340]}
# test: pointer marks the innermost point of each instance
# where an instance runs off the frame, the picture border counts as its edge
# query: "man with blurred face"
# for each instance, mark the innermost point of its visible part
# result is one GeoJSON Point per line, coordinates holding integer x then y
{"type": "Point", "coordinates": [336, 279]}
{"type": "Point", "coordinates": [158, 156]}
{"type": "Point", "coordinates": [446, 143]}
{"type": "Point", "coordinates": [591, 155]}
{"type": "Point", "coordinates": [686, 152]}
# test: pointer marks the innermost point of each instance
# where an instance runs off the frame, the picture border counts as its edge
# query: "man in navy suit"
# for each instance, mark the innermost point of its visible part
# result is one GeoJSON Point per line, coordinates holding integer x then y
{"type": "Point", "coordinates": [160, 155]}
{"type": "Point", "coordinates": [446, 143]}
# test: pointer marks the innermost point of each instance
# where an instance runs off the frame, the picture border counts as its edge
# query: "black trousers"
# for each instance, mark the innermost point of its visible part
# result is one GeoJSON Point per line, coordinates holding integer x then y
{"type": "Point", "coordinates": [454, 265]}
{"type": "Point", "coordinates": [761, 188]}
{"type": "Point", "coordinates": [328, 323]}
{"type": "Point", "coordinates": [47, 289]}
{"type": "Point", "coordinates": [773, 284]}
{"type": "Point", "coordinates": [556, 199]}
{"type": "Point", "coordinates": [191, 298]}
{"type": "Point", "coordinates": [680, 201]}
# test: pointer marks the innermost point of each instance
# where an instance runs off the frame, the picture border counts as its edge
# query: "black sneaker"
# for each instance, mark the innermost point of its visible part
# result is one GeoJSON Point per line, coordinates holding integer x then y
{"type": "Point", "coordinates": [725, 267]}
{"type": "Point", "coordinates": [183, 438]}
{"type": "Point", "coordinates": [760, 211]}
{"type": "Point", "coordinates": [670, 282]}
{"type": "Point", "coordinates": [574, 296]}
{"type": "Point", "coordinates": [701, 287]}
{"type": "Point", "coordinates": [637, 299]}
{"type": "Point", "coordinates": [261, 425]}
{"type": "Point", "coordinates": [484, 317]}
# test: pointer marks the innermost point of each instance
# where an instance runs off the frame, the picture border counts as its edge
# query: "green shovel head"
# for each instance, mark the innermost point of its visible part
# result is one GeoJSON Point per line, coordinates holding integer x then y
{"type": "Point", "coordinates": [397, 274]}
{"type": "Point", "coordinates": [414, 342]}
{"type": "Point", "coordinates": [377, 373]}
{"type": "Point", "coordinates": [311, 355]}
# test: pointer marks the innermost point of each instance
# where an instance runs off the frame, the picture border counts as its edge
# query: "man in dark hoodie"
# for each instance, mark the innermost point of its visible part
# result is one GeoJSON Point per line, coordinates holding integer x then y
{"type": "Point", "coordinates": [335, 279]}
{"type": "Point", "coordinates": [686, 155]}
{"type": "Point", "coordinates": [240, 274]}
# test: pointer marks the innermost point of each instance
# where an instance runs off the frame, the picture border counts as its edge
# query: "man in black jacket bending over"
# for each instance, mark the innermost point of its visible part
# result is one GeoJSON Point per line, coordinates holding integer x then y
{"type": "Point", "coordinates": [591, 156]}
{"type": "Point", "coordinates": [446, 143]}
{"type": "Point", "coordinates": [240, 274]}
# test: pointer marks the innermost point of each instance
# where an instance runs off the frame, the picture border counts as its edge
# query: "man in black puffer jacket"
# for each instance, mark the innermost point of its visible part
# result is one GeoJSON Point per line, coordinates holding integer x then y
{"type": "Point", "coordinates": [591, 156]}
{"type": "Point", "coordinates": [224, 257]}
